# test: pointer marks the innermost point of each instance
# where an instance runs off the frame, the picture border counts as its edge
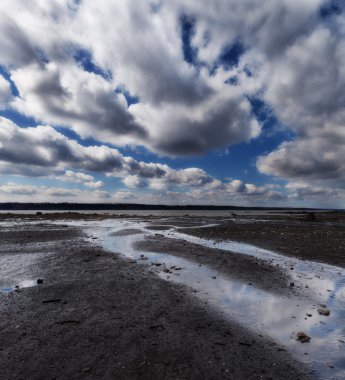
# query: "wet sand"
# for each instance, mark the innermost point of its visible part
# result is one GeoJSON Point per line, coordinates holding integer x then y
{"type": "Point", "coordinates": [102, 315]}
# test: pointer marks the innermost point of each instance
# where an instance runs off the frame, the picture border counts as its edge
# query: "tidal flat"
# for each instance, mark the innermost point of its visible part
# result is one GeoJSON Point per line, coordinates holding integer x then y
{"type": "Point", "coordinates": [223, 296]}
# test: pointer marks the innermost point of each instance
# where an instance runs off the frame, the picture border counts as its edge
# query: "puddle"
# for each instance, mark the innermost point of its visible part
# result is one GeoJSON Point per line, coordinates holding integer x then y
{"type": "Point", "coordinates": [20, 285]}
{"type": "Point", "coordinates": [157, 227]}
{"type": "Point", "coordinates": [325, 282]}
{"type": "Point", "coordinates": [277, 317]}
{"type": "Point", "coordinates": [126, 232]}
{"type": "Point", "coordinates": [17, 269]}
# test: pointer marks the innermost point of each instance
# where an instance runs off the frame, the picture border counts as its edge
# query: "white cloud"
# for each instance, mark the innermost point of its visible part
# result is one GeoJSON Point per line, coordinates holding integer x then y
{"type": "Point", "coordinates": [78, 177]}
{"type": "Point", "coordinates": [318, 160]}
{"type": "Point", "coordinates": [134, 181]}
{"type": "Point", "coordinates": [42, 148]}
{"type": "Point", "coordinates": [56, 90]}
{"type": "Point", "coordinates": [42, 151]}
{"type": "Point", "coordinates": [31, 193]}
{"type": "Point", "coordinates": [70, 176]}
{"type": "Point", "coordinates": [94, 184]}
{"type": "Point", "coordinates": [66, 95]}
{"type": "Point", "coordinates": [17, 189]}
{"type": "Point", "coordinates": [292, 59]}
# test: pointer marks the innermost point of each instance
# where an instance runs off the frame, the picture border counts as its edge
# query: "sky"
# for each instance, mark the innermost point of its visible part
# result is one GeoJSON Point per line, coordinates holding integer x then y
{"type": "Point", "coordinates": [222, 102]}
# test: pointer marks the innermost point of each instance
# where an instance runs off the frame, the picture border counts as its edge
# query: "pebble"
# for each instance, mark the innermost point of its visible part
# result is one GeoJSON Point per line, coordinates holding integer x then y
{"type": "Point", "coordinates": [303, 337]}
{"type": "Point", "coordinates": [324, 311]}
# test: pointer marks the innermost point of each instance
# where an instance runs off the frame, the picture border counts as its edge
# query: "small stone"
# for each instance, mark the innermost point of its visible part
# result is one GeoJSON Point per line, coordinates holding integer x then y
{"type": "Point", "coordinates": [309, 315]}
{"type": "Point", "coordinates": [324, 311]}
{"type": "Point", "coordinates": [303, 337]}
{"type": "Point", "coordinates": [40, 281]}
{"type": "Point", "coordinates": [292, 284]}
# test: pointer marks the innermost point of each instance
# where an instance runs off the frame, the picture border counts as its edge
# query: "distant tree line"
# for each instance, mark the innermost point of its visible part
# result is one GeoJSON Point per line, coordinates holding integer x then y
{"type": "Point", "coordinates": [12, 206]}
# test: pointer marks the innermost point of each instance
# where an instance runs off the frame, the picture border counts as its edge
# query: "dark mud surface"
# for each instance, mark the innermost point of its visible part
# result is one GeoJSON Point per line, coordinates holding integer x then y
{"type": "Point", "coordinates": [98, 316]}
{"type": "Point", "coordinates": [322, 240]}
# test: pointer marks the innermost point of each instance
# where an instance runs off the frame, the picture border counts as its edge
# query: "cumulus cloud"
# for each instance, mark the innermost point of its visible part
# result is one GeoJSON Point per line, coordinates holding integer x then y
{"type": "Point", "coordinates": [181, 130]}
{"type": "Point", "coordinates": [42, 147]}
{"type": "Point", "coordinates": [134, 181]}
{"type": "Point", "coordinates": [134, 73]}
{"type": "Point", "coordinates": [69, 96]}
{"type": "Point", "coordinates": [175, 97]}
{"type": "Point", "coordinates": [16, 189]}
{"type": "Point", "coordinates": [31, 193]}
{"type": "Point", "coordinates": [28, 193]}
{"type": "Point", "coordinates": [42, 151]}
{"type": "Point", "coordinates": [162, 177]}
{"type": "Point", "coordinates": [306, 91]}
{"type": "Point", "coordinates": [307, 83]}
{"type": "Point", "coordinates": [314, 195]}
{"type": "Point", "coordinates": [78, 177]}
{"type": "Point", "coordinates": [309, 158]}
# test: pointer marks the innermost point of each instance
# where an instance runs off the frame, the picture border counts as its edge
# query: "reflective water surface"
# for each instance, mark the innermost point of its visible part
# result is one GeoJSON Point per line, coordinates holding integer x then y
{"type": "Point", "coordinates": [20, 285]}
{"type": "Point", "coordinates": [280, 318]}
{"type": "Point", "coordinates": [16, 271]}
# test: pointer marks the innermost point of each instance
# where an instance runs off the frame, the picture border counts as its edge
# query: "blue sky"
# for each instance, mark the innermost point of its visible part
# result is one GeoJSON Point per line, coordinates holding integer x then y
{"type": "Point", "coordinates": [240, 102]}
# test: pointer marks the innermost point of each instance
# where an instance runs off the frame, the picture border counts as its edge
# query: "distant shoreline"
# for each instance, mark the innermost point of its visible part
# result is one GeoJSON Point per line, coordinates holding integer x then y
{"type": "Point", "coordinates": [13, 206]}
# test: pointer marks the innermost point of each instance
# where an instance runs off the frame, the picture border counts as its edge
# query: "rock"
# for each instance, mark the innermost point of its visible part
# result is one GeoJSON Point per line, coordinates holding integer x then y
{"type": "Point", "coordinates": [324, 311]}
{"type": "Point", "coordinates": [245, 344]}
{"type": "Point", "coordinates": [309, 315]}
{"type": "Point", "coordinates": [52, 300]}
{"type": "Point", "coordinates": [69, 322]}
{"type": "Point", "coordinates": [303, 337]}
{"type": "Point", "coordinates": [40, 281]}
{"type": "Point", "coordinates": [310, 217]}
{"type": "Point", "coordinates": [292, 284]}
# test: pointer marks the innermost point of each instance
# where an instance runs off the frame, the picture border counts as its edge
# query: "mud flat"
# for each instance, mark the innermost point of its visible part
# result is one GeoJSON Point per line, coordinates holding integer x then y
{"type": "Point", "coordinates": [123, 298]}
{"type": "Point", "coordinates": [312, 236]}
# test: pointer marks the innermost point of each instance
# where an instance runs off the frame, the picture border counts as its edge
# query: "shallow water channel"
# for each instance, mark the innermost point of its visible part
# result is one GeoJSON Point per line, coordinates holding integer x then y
{"type": "Point", "coordinates": [277, 317]}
